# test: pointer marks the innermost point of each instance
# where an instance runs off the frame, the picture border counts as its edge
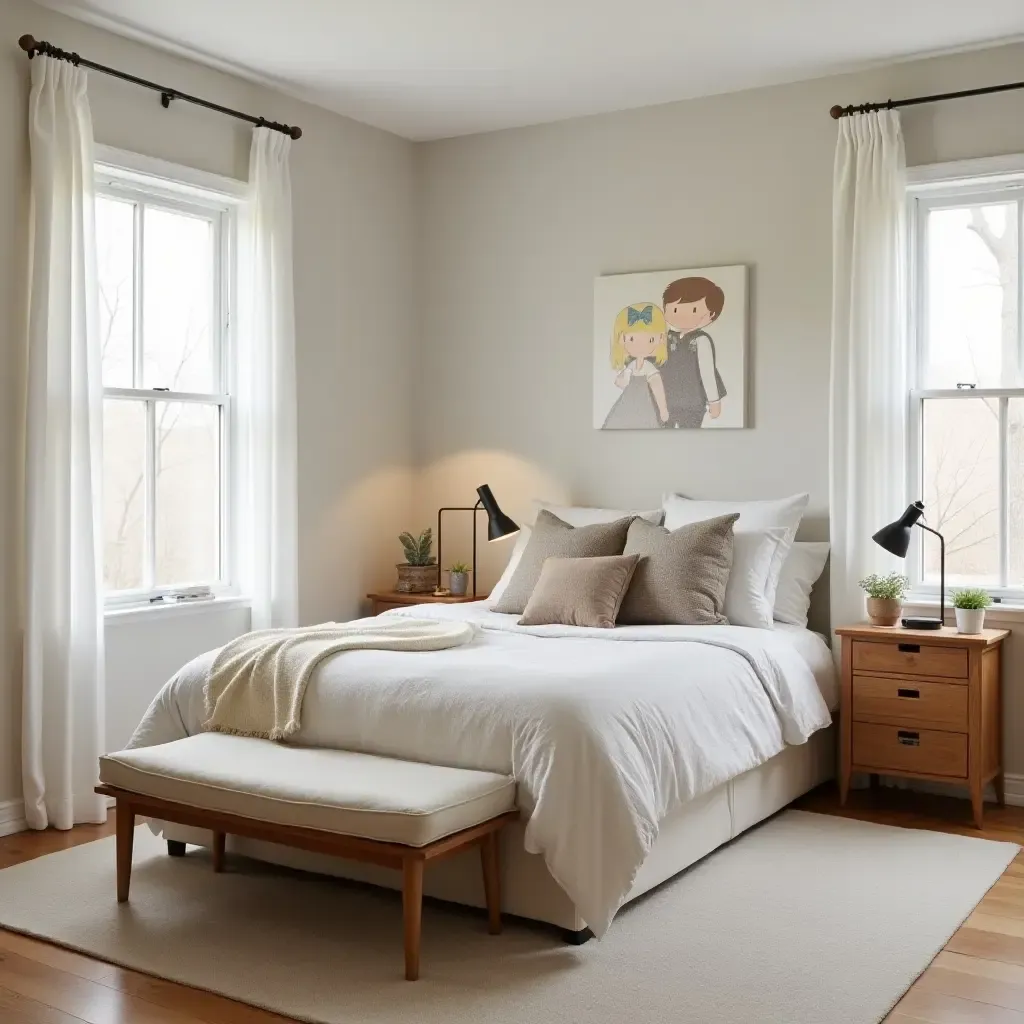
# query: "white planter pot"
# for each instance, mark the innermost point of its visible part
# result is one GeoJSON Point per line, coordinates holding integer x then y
{"type": "Point", "coordinates": [970, 620]}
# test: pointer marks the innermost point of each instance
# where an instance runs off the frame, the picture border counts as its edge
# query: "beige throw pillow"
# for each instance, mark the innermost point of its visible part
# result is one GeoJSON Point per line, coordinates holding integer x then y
{"type": "Point", "coordinates": [682, 574]}
{"type": "Point", "coordinates": [551, 538]}
{"type": "Point", "coordinates": [580, 591]}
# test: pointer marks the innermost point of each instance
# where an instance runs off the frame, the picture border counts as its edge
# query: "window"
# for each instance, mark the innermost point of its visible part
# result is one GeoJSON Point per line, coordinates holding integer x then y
{"type": "Point", "coordinates": [966, 458]}
{"type": "Point", "coordinates": [166, 276]}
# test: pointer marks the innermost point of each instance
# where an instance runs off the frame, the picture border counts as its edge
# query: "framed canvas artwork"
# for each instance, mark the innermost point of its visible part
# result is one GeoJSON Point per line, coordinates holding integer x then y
{"type": "Point", "coordinates": [670, 349]}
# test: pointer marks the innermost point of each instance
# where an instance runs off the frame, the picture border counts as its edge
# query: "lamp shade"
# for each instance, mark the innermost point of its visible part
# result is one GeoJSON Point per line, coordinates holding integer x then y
{"type": "Point", "coordinates": [895, 537]}
{"type": "Point", "coordinates": [498, 524]}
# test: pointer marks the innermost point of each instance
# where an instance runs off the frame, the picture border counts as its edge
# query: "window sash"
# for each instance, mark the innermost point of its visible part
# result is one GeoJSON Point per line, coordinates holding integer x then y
{"type": "Point", "coordinates": [922, 199]}
{"type": "Point", "coordinates": [222, 214]}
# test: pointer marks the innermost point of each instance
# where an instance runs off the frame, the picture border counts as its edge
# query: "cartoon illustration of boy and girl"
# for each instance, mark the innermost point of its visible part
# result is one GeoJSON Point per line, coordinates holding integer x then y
{"type": "Point", "coordinates": [665, 360]}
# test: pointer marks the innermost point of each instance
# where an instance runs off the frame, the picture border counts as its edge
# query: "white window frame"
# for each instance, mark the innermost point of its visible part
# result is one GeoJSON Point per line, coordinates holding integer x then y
{"type": "Point", "coordinates": [151, 182]}
{"type": "Point", "coordinates": [932, 187]}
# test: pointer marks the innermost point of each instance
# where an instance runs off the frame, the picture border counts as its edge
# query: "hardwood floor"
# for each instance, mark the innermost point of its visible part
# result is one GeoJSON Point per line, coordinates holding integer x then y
{"type": "Point", "coordinates": [977, 979]}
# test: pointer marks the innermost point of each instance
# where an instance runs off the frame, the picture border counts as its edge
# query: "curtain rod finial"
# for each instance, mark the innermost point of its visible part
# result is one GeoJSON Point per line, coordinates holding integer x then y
{"type": "Point", "coordinates": [296, 133]}
{"type": "Point", "coordinates": [27, 43]}
{"type": "Point", "coordinates": [836, 112]}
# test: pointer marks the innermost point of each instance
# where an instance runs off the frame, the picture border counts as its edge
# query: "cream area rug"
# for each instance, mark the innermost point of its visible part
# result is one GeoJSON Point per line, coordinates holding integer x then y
{"type": "Point", "coordinates": [804, 920]}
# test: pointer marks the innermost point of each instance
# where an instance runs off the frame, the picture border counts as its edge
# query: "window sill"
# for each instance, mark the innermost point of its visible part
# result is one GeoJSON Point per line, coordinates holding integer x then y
{"type": "Point", "coordinates": [154, 612]}
{"type": "Point", "coordinates": [1006, 612]}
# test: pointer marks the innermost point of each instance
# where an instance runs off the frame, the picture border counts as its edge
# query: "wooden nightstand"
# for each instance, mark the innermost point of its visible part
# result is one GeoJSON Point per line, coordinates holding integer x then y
{"type": "Point", "coordinates": [393, 599]}
{"type": "Point", "coordinates": [923, 704]}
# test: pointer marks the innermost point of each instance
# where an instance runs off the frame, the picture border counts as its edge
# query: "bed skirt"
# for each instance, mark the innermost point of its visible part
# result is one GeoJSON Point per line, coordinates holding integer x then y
{"type": "Point", "coordinates": [528, 889]}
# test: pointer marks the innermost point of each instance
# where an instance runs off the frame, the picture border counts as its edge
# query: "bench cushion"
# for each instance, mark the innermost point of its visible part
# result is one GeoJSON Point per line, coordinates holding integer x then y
{"type": "Point", "coordinates": [330, 790]}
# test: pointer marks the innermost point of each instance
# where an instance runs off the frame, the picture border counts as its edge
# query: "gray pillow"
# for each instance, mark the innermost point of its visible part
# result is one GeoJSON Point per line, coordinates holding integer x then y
{"type": "Point", "coordinates": [682, 574]}
{"type": "Point", "coordinates": [551, 538]}
{"type": "Point", "coordinates": [580, 591]}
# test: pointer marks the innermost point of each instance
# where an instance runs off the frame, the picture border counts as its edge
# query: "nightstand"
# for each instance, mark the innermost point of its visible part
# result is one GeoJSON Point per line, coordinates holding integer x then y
{"type": "Point", "coordinates": [393, 599]}
{"type": "Point", "coordinates": [923, 704]}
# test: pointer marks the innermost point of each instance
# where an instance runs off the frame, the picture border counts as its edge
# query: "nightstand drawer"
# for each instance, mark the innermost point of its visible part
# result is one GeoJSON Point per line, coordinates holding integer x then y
{"type": "Point", "coordinates": [919, 751]}
{"type": "Point", "coordinates": [910, 659]}
{"type": "Point", "coordinates": [917, 703]}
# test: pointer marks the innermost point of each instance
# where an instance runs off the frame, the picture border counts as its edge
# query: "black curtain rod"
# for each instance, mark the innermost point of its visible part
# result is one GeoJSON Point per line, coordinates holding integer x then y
{"type": "Point", "coordinates": [867, 108]}
{"type": "Point", "coordinates": [33, 46]}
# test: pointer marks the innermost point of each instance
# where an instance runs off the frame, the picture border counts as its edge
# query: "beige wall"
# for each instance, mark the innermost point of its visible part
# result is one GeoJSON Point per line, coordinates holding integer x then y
{"type": "Point", "coordinates": [516, 224]}
{"type": "Point", "coordinates": [354, 273]}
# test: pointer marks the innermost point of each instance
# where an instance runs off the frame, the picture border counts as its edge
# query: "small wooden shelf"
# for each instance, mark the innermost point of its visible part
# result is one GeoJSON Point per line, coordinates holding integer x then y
{"type": "Point", "coordinates": [385, 600]}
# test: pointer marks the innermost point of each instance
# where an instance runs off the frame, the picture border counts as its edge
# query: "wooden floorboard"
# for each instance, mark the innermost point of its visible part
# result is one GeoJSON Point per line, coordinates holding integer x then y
{"type": "Point", "coordinates": [977, 979]}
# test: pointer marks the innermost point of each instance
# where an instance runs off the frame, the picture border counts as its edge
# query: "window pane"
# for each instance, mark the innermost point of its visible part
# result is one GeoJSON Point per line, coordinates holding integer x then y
{"type": "Point", "coordinates": [115, 270]}
{"type": "Point", "coordinates": [961, 488]}
{"type": "Point", "coordinates": [178, 301]}
{"type": "Point", "coordinates": [124, 493]}
{"type": "Point", "coordinates": [972, 261]}
{"type": "Point", "coordinates": [1015, 490]}
{"type": "Point", "coordinates": [187, 493]}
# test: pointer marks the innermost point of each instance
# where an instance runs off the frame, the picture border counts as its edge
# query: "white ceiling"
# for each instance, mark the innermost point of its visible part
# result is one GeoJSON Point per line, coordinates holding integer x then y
{"type": "Point", "coordinates": [429, 69]}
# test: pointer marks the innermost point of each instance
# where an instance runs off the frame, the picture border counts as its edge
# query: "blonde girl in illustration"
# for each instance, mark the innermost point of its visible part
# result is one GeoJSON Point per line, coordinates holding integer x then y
{"type": "Point", "coordinates": [638, 350]}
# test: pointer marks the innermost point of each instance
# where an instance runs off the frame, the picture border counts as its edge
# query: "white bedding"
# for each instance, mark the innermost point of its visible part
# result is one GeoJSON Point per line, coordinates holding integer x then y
{"type": "Point", "coordinates": [605, 731]}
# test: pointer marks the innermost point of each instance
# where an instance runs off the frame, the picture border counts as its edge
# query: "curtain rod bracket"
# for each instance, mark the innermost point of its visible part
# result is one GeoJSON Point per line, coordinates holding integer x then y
{"type": "Point", "coordinates": [165, 99]}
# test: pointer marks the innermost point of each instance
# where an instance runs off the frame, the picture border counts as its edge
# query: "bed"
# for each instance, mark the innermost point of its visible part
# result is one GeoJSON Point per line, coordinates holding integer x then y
{"type": "Point", "coordinates": [637, 750]}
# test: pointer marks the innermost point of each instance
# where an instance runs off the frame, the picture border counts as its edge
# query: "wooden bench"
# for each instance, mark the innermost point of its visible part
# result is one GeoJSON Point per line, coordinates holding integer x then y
{"type": "Point", "coordinates": [398, 814]}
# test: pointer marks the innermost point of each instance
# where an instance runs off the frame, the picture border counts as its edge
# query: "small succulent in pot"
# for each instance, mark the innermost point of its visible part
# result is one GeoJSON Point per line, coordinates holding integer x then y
{"type": "Point", "coordinates": [885, 597]}
{"type": "Point", "coordinates": [969, 605]}
{"type": "Point", "coordinates": [418, 574]}
{"type": "Point", "coordinates": [458, 579]}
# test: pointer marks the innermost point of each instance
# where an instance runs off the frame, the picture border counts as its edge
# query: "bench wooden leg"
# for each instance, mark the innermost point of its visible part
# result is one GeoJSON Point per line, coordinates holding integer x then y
{"type": "Point", "coordinates": [219, 838]}
{"type": "Point", "coordinates": [125, 816]}
{"type": "Point", "coordinates": [490, 859]}
{"type": "Point", "coordinates": [412, 911]}
{"type": "Point", "coordinates": [175, 849]}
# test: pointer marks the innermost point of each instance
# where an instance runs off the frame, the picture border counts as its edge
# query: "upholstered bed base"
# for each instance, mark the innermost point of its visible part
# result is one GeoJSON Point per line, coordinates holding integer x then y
{"type": "Point", "coordinates": [529, 891]}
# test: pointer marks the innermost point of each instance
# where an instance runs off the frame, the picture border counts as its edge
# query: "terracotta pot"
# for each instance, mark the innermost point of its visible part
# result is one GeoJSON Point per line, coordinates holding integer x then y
{"type": "Point", "coordinates": [884, 611]}
{"type": "Point", "coordinates": [416, 579]}
{"type": "Point", "coordinates": [970, 620]}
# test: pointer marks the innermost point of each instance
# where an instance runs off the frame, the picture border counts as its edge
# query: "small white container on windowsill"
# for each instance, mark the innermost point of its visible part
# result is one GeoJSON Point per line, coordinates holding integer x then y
{"type": "Point", "coordinates": [970, 620]}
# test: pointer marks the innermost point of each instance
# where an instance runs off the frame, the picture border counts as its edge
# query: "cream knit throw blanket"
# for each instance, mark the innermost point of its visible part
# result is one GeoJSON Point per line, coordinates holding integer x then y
{"type": "Point", "coordinates": [257, 682]}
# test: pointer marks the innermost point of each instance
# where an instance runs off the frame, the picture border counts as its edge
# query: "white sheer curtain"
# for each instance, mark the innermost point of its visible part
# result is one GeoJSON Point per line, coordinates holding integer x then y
{"type": "Point", "coordinates": [266, 393]}
{"type": "Point", "coordinates": [62, 735]}
{"type": "Point", "coordinates": [869, 398]}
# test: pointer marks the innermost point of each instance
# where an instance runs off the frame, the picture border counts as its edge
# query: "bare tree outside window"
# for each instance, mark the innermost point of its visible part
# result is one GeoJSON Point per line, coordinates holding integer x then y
{"type": "Point", "coordinates": [158, 273]}
{"type": "Point", "coordinates": [971, 341]}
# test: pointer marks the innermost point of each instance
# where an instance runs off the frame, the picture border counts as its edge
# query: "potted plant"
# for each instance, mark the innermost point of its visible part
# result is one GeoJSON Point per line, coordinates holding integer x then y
{"type": "Point", "coordinates": [885, 597]}
{"type": "Point", "coordinates": [458, 579]}
{"type": "Point", "coordinates": [418, 574]}
{"type": "Point", "coordinates": [970, 604]}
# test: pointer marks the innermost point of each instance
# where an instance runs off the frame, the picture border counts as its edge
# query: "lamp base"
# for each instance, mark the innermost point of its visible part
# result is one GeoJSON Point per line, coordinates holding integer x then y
{"type": "Point", "coordinates": [910, 622]}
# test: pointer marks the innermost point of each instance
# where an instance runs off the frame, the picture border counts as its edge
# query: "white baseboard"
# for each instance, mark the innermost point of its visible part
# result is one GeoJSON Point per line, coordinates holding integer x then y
{"type": "Point", "coordinates": [12, 817]}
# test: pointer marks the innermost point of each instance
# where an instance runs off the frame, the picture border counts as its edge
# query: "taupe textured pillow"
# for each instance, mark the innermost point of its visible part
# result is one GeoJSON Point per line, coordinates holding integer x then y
{"type": "Point", "coordinates": [682, 574]}
{"type": "Point", "coordinates": [580, 591]}
{"type": "Point", "coordinates": [551, 538]}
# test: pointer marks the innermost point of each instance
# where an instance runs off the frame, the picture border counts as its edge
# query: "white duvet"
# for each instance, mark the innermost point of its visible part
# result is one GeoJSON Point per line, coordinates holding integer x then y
{"type": "Point", "coordinates": [606, 731]}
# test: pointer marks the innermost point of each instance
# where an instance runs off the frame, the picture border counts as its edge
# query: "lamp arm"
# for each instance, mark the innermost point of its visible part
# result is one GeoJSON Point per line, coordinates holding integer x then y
{"type": "Point", "coordinates": [457, 508]}
{"type": "Point", "coordinates": [942, 569]}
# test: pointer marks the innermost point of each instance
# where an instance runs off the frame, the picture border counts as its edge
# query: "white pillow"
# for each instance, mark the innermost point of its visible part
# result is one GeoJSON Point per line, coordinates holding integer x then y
{"type": "Point", "coordinates": [784, 513]}
{"type": "Point", "coordinates": [574, 515]}
{"type": "Point", "coordinates": [746, 603]}
{"type": "Point", "coordinates": [522, 540]}
{"type": "Point", "coordinates": [583, 515]}
{"type": "Point", "coordinates": [804, 564]}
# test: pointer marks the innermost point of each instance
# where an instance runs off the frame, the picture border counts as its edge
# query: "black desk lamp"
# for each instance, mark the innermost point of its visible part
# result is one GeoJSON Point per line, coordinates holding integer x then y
{"type": "Point", "coordinates": [895, 538]}
{"type": "Point", "coordinates": [498, 525]}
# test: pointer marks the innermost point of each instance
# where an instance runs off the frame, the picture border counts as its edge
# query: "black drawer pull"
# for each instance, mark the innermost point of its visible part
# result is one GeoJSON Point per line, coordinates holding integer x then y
{"type": "Point", "coordinates": [910, 648]}
{"type": "Point", "coordinates": [909, 739]}
{"type": "Point", "coordinates": [904, 692]}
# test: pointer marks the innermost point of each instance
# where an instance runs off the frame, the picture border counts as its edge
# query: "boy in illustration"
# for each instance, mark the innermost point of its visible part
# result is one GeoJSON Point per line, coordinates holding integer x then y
{"type": "Point", "coordinates": [638, 349]}
{"type": "Point", "coordinates": [693, 385]}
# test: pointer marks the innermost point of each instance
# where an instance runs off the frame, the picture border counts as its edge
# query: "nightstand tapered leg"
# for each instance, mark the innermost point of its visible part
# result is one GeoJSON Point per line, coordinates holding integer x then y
{"type": "Point", "coordinates": [1000, 787]}
{"type": "Point", "coordinates": [978, 805]}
